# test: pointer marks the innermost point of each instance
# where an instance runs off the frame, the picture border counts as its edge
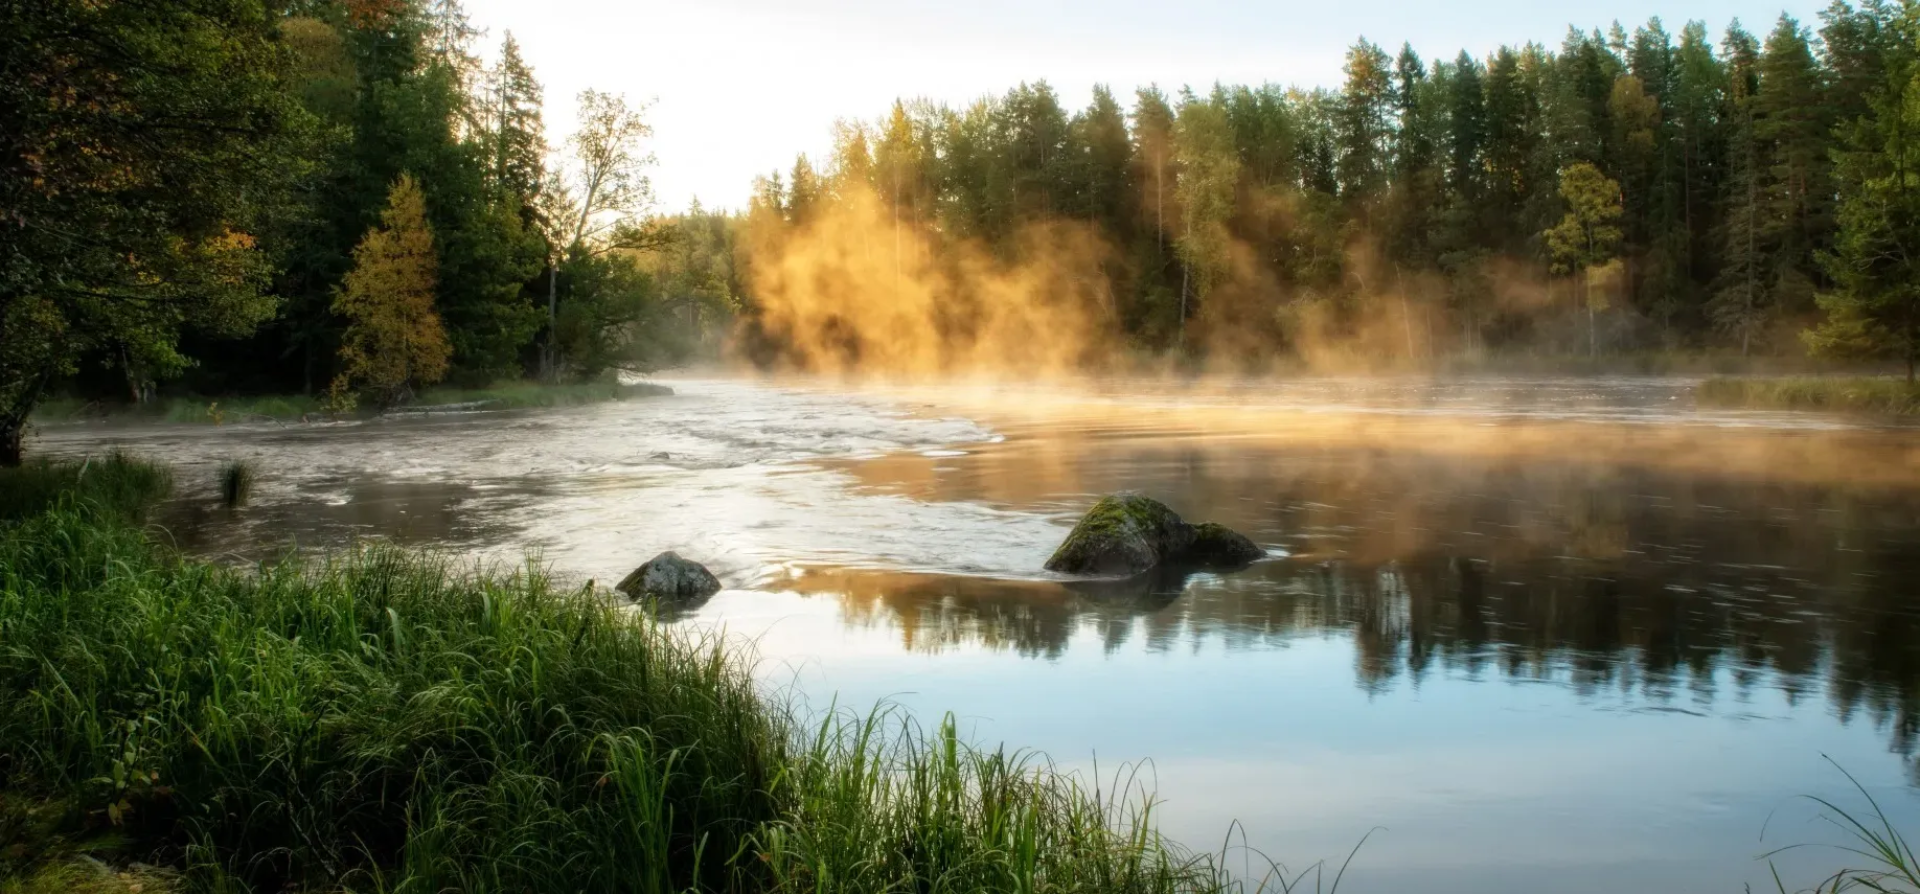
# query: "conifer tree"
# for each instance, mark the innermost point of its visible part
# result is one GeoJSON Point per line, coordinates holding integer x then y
{"type": "Point", "coordinates": [1874, 308]}
{"type": "Point", "coordinates": [1365, 125]}
{"type": "Point", "coordinates": [394, 339]}
{"type": "Point", "coordinates": [519, 146]}
{"type": "Point", "coordinates": [1740, 295]}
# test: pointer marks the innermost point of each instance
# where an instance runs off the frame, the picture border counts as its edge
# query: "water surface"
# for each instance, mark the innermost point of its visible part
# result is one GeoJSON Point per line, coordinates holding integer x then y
{"type": "Point", "coordinates": [1566, 634]}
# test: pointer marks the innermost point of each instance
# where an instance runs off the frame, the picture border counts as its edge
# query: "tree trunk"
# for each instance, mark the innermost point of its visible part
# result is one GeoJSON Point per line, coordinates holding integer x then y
{"type": "Point", "coordinates": [549, 361]}
{"type": "Point", "coordinates": [13, 422]}
{"type": "Point", "coordinates": [11, 433]}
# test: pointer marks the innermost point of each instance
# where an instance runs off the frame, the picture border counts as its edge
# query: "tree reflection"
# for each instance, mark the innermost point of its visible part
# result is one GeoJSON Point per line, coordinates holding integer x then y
{"type": "Point", "coordinates": [1674, 589]}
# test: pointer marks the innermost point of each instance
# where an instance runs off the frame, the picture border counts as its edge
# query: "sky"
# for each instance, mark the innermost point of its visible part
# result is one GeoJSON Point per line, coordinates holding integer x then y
{"type": "Point", "coordinates": [739, 87]}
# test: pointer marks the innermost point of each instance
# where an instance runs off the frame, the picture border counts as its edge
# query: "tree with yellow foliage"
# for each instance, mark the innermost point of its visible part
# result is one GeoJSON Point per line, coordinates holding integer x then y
{"type": "Point", "coordinates": [394, 339]}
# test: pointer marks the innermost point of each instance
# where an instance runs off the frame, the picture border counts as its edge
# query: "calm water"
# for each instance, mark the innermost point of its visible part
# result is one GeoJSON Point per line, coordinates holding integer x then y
{"type": "Point", "coordinates": [1551, 635]}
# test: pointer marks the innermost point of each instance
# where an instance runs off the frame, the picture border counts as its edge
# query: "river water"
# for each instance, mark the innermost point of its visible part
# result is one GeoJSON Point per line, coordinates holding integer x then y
{"type": "Point", "coordinates": [1572, 635]}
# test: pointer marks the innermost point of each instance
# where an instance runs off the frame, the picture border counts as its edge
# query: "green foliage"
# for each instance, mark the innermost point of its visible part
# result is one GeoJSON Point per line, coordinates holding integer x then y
{"type": "Point", "coordinates": [1874, 309]}
{"type": "Point", "coordinates": [1688, 182]}
{"type": "Point", "coordinates": [614, 318]}
{"type": "Point", "coordinates": [1589, 234]}
{"type": "Point", "coordinates": [145, 146]}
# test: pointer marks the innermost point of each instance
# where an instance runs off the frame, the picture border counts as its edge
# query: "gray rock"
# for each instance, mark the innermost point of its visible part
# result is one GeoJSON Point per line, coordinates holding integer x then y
{"type": "Point", "coordinates": [1129, 534]}
{"type": "Point", "coordinates": [667, 576]}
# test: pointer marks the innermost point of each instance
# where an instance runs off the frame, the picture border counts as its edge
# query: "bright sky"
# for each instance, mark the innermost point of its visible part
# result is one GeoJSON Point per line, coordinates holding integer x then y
{"type": "Point", "coordinates": [741, 86]}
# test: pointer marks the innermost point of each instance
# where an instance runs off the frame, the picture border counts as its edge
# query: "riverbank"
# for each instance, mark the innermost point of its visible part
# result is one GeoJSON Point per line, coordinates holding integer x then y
{"type": "Point", "coordinates": [295, 407]}
{"type": "Point", "coordinates": [1887, 395]}
{"type": "Point", "coordinates": [388, 720]}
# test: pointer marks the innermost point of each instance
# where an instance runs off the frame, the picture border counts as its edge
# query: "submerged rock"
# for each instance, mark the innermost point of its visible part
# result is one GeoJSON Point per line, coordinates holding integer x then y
{"type": "Point", "coordinates": [1123, 534]}
{"type": "Point", "coordinates": [1128, 534]}
{"type": "Point", "coordinates": [667, 576]}
{"type": "Point", "coordinates": [1218, 546]}
{"type": "Point", "coordinates": [642, 389]}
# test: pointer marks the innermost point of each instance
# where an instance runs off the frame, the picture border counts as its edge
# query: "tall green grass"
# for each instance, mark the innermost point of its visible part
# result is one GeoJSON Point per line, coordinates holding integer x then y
{"type": "Point", "coordinates": [387, 721]}
{"type": "Point", "coordinates": [116, 483]}
{"type": "Point", "coordinates": [1869, 394]}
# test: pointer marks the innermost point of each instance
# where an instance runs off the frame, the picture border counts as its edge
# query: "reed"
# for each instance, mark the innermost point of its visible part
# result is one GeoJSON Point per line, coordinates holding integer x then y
{"type": "Point", "coordinates": [1883, 861]}
{"type": "Point", "coordinates": [236, 482]}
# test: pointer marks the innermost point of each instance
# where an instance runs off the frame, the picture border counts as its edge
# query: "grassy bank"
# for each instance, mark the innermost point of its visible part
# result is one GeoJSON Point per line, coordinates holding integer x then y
{"type": "Point", "coordinates": [293, 408]}
{"type": "Point", "coordinates": [118, 487]}
{"type": "Point", "coordinates": [1864, 394]}
{"type": "Point", "coordinates": [387, 721]}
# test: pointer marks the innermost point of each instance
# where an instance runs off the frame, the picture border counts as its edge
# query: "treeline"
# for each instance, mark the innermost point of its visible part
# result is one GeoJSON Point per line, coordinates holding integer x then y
{"type": "Point", "coordinates": [537, 263]}
{"type": "Point", "coordinates": [1623, 192]}
{"type": "Point", "coordinates": [318, 196]}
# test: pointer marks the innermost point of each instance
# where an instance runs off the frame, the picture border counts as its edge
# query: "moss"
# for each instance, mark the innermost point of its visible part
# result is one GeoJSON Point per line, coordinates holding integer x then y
{"type": "Point", "coordinates": [1125, 533]}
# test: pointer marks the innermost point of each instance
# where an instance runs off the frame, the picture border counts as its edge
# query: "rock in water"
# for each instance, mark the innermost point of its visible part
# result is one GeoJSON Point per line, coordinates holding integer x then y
{"type": "Point", "coordinates": [667, 576]}
{"type": "Point", "coordinates": [1218, 546]}
{"type": "Point", "coordinates": [1125, 533]}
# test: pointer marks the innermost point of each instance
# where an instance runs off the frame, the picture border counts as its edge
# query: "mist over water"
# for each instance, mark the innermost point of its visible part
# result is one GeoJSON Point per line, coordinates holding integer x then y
{"type": "Point", "coordinates": [1575, 629]}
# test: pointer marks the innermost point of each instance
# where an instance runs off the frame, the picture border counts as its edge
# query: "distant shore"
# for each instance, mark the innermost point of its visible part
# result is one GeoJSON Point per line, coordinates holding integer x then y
{"type": "Point", "coordinates": [226, 410]}
{"type": "Point", "coordinates": [1885, 395]}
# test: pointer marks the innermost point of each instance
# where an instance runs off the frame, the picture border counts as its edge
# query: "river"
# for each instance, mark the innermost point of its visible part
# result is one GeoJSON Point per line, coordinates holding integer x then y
{"type": "Point", "coordinates": [1567, 634]}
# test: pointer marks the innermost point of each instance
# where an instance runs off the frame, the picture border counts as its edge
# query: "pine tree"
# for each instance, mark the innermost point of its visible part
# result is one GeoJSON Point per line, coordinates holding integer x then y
{"type": "Point", "coordinates": [394, 339]}
{"type": "Point", "coordinates": [1700, 86]}
{"type": "Point", "coordinates": [1740, 294]}
{"type": "Point", "coordinates": [1466, 128]}
{"type": "Point", "coordinates": [1365, 126]}
{"type": "Point", "coordinates": [1511, 119]}
{"type": "Point", "coordinates": [1105, 162]}
{"type": "Point", "coordinates": [1036, 131]}
{"type": "Point", "coordinates": [803, 191]}
{"type": "Point", "coordinates": [1793, 128]}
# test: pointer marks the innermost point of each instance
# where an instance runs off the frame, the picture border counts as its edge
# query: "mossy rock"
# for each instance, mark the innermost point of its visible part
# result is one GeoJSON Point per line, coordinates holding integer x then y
{"type": "Point", "coordinates": [1123, 534]}
{"type": "Point", "coordinates": [1218, 546]}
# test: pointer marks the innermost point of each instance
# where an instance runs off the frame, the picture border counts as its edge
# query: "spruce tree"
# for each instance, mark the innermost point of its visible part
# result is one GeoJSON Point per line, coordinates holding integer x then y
{"type": "Point", "coordinates": [1873, 309]}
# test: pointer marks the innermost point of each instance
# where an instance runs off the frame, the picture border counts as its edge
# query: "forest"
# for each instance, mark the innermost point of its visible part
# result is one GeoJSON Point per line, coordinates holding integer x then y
{"type": "Point", "coordinates": [1751, 193]}
{"type": "Point", "coordinates": [330, 197]}
{"type": "Point", "coordinates": [339, 198]}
